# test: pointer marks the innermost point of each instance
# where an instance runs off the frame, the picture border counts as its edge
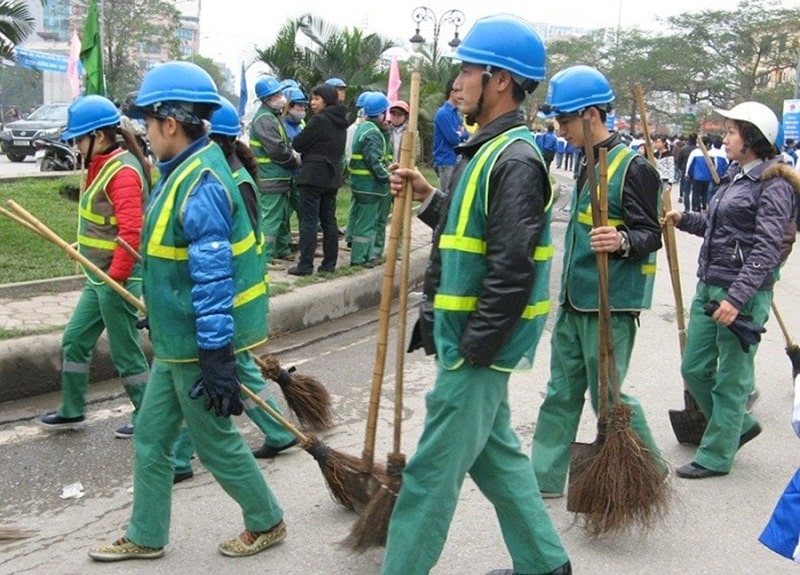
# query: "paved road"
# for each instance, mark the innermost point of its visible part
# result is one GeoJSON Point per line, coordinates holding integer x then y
{"type": "Point", "coordinates": [9, 168]}
{"type": "Point", "coordinates": [712, 528]}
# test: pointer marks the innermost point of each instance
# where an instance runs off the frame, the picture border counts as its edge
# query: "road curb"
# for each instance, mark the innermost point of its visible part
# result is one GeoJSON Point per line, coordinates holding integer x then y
{"type": "Point", "coordinates": [32, 365]}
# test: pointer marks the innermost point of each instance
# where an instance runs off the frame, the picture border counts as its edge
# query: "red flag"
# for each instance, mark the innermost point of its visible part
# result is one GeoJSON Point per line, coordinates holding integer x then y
{"type": "Point", "coordinates": [73, 77]}
{"type": "Point", "coordinates": [394, 81]}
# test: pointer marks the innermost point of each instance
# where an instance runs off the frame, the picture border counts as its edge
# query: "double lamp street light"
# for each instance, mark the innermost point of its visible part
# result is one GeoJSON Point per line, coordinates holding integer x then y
{"type": "Point", "coordinates": [422, 14]}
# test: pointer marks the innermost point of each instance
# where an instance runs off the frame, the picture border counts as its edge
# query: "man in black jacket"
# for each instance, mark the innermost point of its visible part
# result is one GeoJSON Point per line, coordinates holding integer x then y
{"type": "Point", "coordinates": [321, 145]}
{"type": "Point", "coordinates": [487, 286]}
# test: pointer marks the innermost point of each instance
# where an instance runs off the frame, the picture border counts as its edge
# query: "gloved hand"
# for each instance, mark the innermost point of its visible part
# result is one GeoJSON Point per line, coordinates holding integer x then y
{"type": "Point", "coordinates": [143, 323]}
{"type": "Point", "coordinates": [747, 332]}
{"type": "Point", "coordinates": [796, 412]}
{"type": "Point", "coordinates": [218, 381]}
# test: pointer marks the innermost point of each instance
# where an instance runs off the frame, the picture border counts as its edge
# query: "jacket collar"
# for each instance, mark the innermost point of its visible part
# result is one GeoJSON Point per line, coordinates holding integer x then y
{"type": "Point", "coordinates": [490, 131]}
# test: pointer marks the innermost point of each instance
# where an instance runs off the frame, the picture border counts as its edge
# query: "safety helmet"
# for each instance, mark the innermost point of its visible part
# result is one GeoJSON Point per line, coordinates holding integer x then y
{"type": "Point", "coordinates": [175, 83]}
{"type": "Point", "coordinates": [401, 105]}
{"type": "Point", "coordinates": [295, 96]}
{"type": "Point", "coordinates": [336, 82]}
{"type": "Point", "coordinates": [225, 120]}
{"type": "Point", "coordinates": [362, 98]}
{"type": "Point", "coordinates": [87, 114]}
{"type": "Point", "coordinates": [757, 114]}
{"type": "Point", "coordinates": [576, 88]}
{"type": "Point", "coordinates": [507, 42]}
{"type": "Point", "coordinates": [267, 86]}
{"type": "Point", "coordinates": [289, 83]}
{"type": "Point", "coordinates": [375, 104]}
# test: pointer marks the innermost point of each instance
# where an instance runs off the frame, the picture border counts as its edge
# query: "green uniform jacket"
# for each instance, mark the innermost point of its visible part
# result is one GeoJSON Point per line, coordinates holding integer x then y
{"type": "Point", "coordinates": [630, 280]}
{"type": "Point", "coordinates": [167, 279]}
{"type": "Point", "coordinates": [464, 264]}
{"type": "Point", "coordinates": [369, 163]}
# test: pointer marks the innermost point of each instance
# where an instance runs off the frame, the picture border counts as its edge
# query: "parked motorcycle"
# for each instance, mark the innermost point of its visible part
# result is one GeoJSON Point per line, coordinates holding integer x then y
{"type": "Point", "coordinates": [54, 155]}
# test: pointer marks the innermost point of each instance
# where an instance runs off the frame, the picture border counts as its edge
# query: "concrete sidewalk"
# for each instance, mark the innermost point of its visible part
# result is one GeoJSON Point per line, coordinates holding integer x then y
{"type": "Point", "coordinates": [31, 365]}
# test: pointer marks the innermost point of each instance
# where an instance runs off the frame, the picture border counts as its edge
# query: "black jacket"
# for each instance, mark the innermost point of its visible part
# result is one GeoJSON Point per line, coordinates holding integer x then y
{"type": "Point", "coordinates": [518, 191]}
{"type": "Point", "coordinates": [321, 144]}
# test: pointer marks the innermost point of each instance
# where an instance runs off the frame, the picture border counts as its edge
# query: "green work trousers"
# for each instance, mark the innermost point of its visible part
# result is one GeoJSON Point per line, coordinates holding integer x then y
{"type": "Point", "coordinates": [365, 217]}
{"type": "Point", "coordinates": [275, 224]}
{"type": "Point", "coordinates": [274, 433]}
{"type": "Point", "coordinates": [219, 446]}
{"type": "Point", "coordinates": [468, 430]}
{"type": "Point", "coordinates": [574, 366]}
{"type": "Point", "coordinates": [380, 228]}
{"type": "Point", "coordinates": [99, 307]}
{"type": "Point", "coordinates": [720, 375]}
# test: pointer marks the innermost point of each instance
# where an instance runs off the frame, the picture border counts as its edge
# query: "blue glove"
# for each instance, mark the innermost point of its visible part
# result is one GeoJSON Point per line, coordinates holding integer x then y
{"type": "Point", "coordinates": [218, 381]}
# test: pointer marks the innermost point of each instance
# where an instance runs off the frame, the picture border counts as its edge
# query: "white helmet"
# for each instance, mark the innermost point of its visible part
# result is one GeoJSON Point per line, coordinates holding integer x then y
{"type": "Point", "coordinates": [757, 114]}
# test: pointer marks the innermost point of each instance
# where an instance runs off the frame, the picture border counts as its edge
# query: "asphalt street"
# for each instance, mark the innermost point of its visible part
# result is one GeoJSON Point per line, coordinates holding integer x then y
{"type": "Point", "coordinates": [711, 529]}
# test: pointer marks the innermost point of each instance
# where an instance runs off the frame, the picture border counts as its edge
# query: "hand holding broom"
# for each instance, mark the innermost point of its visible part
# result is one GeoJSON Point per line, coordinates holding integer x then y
{"type": "Point", "coordinates": [305, 395]}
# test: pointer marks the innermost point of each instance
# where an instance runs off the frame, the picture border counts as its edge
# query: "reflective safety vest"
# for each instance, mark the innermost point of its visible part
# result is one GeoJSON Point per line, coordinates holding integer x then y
{"type": "Point", "coordinates": [361, 177]}
{"type": "Point", "coordinates": [630, 282]}
{"type": "Point", "coordinates": [242, 176]}
{"type": "Point", "coordinates": [97, 224]}
{"type": "Point", "coordinates": [268, 171]}
{"type": "Point", "coordinates": [167, 280]}
{"type": "Point", "coordinates": [463, 252]}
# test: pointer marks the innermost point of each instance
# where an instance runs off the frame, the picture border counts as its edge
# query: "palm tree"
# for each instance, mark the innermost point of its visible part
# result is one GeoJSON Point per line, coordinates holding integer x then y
{"type": "Point", "coordinates": [16, 23]}
{"type": "Point", "coordinates": [310, 50]}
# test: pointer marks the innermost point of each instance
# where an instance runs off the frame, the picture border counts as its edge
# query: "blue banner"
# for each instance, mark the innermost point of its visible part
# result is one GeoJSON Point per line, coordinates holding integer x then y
{"type": "Point", "coordinates": [791, 119]}
{"type": "Point", "coordinates": [41, 60]}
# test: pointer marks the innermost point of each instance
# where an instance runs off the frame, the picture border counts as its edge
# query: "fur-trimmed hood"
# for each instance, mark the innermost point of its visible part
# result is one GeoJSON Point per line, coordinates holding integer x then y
{"type": "Point", "coordinates": [785, 171]}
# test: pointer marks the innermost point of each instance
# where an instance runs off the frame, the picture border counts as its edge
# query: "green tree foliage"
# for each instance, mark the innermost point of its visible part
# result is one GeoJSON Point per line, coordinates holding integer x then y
{"type": "Point", "coordinates": [16, 23]}
{"type": "Point", "coordinates": [131, 28]}
{"type": "Point", "coordinates": [217, 74]}
{"type": "Point", "coordinates": [20, 88]}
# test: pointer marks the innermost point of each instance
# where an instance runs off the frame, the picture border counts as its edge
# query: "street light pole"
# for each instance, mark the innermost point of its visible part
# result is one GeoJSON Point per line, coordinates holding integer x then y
{"type": "Point", "coordinates": [423, 13]}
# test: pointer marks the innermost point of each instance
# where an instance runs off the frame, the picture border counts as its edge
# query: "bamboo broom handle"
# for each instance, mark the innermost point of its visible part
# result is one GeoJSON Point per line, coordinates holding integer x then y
{"type": "Point", "coordinates": [408, 146]}
{"type": "Point", "coordinates": [607, 374]}
{"type": "Point", "coordinates": [49, 234]}
{"type": "Point", "coordinates": [785, 331]}
{"type": "Point", "coordinates": [648, 142]}
{"type": "Point", "coordinates": [709, 162]}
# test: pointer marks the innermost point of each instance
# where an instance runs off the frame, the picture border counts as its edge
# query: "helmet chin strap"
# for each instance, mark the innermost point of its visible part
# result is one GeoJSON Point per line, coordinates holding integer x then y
{"type": "Point", "coordinates": [90, 151]}
{"type": "Point", "coordinates": [485, 77]}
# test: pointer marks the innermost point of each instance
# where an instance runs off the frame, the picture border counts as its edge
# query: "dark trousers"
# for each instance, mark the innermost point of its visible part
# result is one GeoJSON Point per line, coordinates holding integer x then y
{"type": "Point", "coordinates": [698, 200]}
{"type": "Point", "coordinates": [318, 205]}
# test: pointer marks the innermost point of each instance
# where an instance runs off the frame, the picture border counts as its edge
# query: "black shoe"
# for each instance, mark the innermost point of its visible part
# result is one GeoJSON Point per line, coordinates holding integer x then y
{"type": "Point", "coordinates": [321, 270]}
{"type": "Point", "coordinates": [125, 432]}
{"type": "Point", "coordinates": [751, 433]}
{"type": "Point", "coordinates": [696, 471]}
{"type": "Point", "coordinates": [268, 451]}
{"type": "Point", "coordinates": [296, 271]}
{"type": "Point", "coordinates": [178, 477]}
{"type": "Point", "coordinates": [54, 422]}
{"type": "Point", "coordinates": [565, 569]}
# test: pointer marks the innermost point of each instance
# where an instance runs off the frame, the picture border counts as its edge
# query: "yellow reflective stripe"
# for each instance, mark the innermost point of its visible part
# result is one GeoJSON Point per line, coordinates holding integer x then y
{"type": "Point", "coordinates": [249, 294]}
{"type": "Point", "coordinates": [360, 172]}
{"type": "Point", "coordinates": [154, 246]}
{"type": "Point", "coordinates": [97, 243]}
{"type": "Point", "coordinates": [586, 219]}
{"type": "Point", "coordinates": [648, 269]}
{"type": "Point", "coordinates": [612, 169]}
{"type": "Point", "coordinates": [243, 245]}
{"type": "Point", "coordinates": [255, 144]}
{"type": "Point", "coordinates": [357, 157]}
{"type": "Point", "coordinates": [543, 253]}
{"type": "Point", "coordinates": [535, 310]}
{"type": "Point", "coordinates": [100, 182]}
{"type": "Point", "coordinates": [472, 185]}
{"type": "Point", "coordinates": [463, 244]}
{"type": "Point", "coordinates": [455, 302]}
{"type": "Point", "coordinates": [470, 303]}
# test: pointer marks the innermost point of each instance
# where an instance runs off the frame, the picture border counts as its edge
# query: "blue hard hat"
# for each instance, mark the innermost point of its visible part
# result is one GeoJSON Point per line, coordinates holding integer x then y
{"type": "Point", "coordinates": [336, 82]}
{"type": "Point", "coordinates": [267, 86]}
{"type": "Point", "coordinates": [295, 96]}
{"type": "Point", "coordinates": [289, 83]}
{"type": "Point", "coordinates": [375, 104]}
{"type": "Point", "coordinates": [362, 98]}
{"type": "Point", "coordinates": [507, 42]}
{"type": "Point", "coordinates": [225, 120]}
{"type": "Point", "coordinates": [576, 88]}
{"type": "Point", "coordinates": [183, 82]}
{"type": "Point", "coordinates": [87, 114]}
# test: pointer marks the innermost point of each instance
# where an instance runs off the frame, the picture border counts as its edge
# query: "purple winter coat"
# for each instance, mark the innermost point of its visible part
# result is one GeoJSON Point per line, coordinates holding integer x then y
{"type": "Point", "coordinates": [748, 230]}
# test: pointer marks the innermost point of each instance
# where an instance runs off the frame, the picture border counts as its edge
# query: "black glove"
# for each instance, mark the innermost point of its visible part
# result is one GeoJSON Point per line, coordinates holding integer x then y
{"type": "Point", "coordinates": [143, 323]}
{"type": "Point", "coordinates": [218, 381]}
{"type": "Point", "coordinates": [747, 332]}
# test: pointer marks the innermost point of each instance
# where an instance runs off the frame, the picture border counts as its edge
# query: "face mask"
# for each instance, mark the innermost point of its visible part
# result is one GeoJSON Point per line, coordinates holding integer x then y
{"type": "Point", "coordinates": [298, 115]}
{"type": "Point", "coordinates": [279, 104]}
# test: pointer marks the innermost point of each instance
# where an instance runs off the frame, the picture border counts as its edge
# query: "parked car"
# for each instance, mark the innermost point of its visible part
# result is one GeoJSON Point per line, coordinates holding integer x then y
{"type": "Point", "coordinates": [45, 122]}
